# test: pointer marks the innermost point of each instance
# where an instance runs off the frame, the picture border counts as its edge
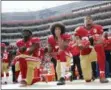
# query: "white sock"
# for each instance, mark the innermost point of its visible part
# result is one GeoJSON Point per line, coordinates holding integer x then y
{"type": "Point", "coordinates": [63, 69]}
{"type": "Point", "coordinates": [7, 79]}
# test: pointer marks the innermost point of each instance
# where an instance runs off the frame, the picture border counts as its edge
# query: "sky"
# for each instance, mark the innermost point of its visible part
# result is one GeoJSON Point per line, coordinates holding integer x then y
{"type": "Point", "coordinates": [24, 6]}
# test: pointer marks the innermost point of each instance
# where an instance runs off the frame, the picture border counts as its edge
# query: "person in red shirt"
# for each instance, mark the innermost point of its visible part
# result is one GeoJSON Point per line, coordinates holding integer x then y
{"type": "Point", "coordinates": [107, 47]}
{"type": "Point", "coordinates": [95, 32]}
{"type": "Point", "coordinates": [5, 63]}
{"type": "Point", "coordinates": [23, 45]}
{"type": "Point", "coordinates": [58, 42]}
{"type": "Point", "coordinates": [29, 56]}
{"type": "Point", "coordinates": [87, 52]}
{"type": "Point", "coordinates": [107, 41]}
{"type": "Point", "coordinates": [76, 59]}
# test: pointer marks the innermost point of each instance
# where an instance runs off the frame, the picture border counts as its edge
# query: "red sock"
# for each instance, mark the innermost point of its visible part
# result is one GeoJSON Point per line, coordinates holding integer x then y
{"type": "Point", "coordinates": [101, 57]}
{"type": "Point", "coordinates": [36, 72]}
{"type": "Point", "coordinates": [23, 67]}
{"type": "Point", "coordinates": [7, 74]}
{"type": "Point", "coordinates": [2, 75]}
{"type": "Point", "coordinates": [36, 76]}
{"type": "Point", "coordinates": [35, 80]}
{"type": "Point", "coordinates": [102, 75]}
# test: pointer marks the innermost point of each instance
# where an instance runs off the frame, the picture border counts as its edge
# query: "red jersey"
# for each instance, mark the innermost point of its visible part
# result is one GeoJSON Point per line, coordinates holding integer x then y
{"type": "Point", "coordinates": [96, 31]}
{"type": "Point", "coordinates": [74, 49]}
{"type": "Point", "coordinates": [55, 44]}
{"type": "Point", "coordinates": [82, 32]}
{"type": "Point", "coordinates": [52, 42]}
{"type": "Point", "coordinates": [5, 57]}
{"type": "Point", "coordinates": [38, 53]}
{"type": "Point", "coordinates": [63, 53]}
{"type": "Point", "coordinates": [28, 44]}
{"type": "Point", "coordinates": [107, 43]}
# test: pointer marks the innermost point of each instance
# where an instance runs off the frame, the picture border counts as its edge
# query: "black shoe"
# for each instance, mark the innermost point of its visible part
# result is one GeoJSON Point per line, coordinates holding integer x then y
{"type": "Point", "coordinates": [93, 78]}
{"type": "Point", "coordinates": [88, 81]}
{"type": "Point", "coordinates": [104, 80]}
{"type": "Point", "coordinates": [5, 83]}
{"type": "Point", "coordinates": [14, 82]}
{"type": "Point", "coordinates": [81, 77]}
{"type": "Point", "coordinates": [61, 81]}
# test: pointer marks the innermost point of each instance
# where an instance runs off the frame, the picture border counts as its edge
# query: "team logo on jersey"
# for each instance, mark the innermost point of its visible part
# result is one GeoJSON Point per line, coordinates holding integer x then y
{"type": "Point", "coordinates": [95, 30]}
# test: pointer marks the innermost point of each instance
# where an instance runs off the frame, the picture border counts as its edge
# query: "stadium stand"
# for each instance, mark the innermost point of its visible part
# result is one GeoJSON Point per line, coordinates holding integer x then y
{"type": "Point", "coordinates": [40, 26]}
